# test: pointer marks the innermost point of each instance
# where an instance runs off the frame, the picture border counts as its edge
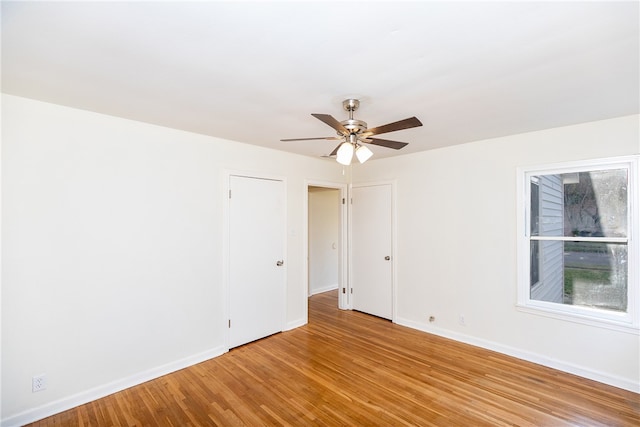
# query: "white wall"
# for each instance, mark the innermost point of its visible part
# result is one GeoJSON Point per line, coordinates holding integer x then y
{"type": "Point", "coordinates": [112, 250]}
{"type": "Point", "coordinates": [324, 235]}
{"type": "Point", "coordinates": [456, 210]}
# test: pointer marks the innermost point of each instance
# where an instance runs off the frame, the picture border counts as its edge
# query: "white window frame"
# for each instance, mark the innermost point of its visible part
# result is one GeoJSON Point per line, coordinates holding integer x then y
{"type": "Point", "coordinates": [625, 322]}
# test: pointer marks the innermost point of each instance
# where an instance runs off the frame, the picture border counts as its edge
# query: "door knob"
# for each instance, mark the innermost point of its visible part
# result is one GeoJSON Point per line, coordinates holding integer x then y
{"type": "Point", "coordinates": [280, 263]}
{"type": "Point", "coordinates": [387, 258]}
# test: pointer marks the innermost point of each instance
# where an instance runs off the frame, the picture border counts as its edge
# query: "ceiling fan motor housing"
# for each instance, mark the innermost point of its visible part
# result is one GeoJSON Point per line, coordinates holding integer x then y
{"type": "Point", "coordinates": [353, 126]}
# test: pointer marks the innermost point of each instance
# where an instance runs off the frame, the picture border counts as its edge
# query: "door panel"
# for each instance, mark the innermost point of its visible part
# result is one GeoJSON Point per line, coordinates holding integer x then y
{"type": "Point", "coordinates": [372, 267]}
{"type": "Point", "coordinates": [256, 245]}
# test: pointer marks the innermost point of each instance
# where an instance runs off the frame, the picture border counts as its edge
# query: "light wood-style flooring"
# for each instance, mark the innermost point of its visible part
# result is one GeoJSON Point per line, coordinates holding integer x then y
{"type": "Point", "coordinates": [349, 369]}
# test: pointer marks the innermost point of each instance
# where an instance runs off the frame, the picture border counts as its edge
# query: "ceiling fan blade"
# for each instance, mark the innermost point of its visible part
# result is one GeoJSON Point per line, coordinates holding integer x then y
{"type": "Point", "coordinates": [411, 122]}
{"type": "Point", "coordinates": [328, 138]}
{"type": "Point", "coordinates": [396, 145]}
{"type": "Point", "coordinates": [328, 119]}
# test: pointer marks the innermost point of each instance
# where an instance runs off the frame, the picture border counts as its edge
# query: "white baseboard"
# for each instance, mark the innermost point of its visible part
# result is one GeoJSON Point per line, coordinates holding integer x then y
{"type": "Point", "coordinates": [295, 324]}
{"type": "Point", "coordinates": [323, 289]}
{"type": "Point", "coordinates": [539, 359]}
{"type": "Point", "coordinates": [81, 398]}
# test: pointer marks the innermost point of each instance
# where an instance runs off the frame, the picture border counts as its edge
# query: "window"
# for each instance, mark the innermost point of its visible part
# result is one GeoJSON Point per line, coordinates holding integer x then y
{"type": "Point", "coordinates": [578, 250]}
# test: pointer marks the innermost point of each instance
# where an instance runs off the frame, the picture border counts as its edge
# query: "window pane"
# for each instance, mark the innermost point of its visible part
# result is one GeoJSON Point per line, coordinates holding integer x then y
{"type": "Point", "coordinates": [585, 204]}
{"type": "Point", "coordinates": [547, 205]}
{"type": "Point", "coordinates": [535, 207]}
{"type": "Point", "coordinates": [595, 275]}
{"type": "Point", "coordinates": [550, 272]}
{"type": "Point", "coordinates": [534, 263]}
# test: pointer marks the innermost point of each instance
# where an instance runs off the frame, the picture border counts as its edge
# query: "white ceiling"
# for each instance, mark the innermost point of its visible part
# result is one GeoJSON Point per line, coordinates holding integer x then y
{"type": "Point", "coordinates": [255, 71]}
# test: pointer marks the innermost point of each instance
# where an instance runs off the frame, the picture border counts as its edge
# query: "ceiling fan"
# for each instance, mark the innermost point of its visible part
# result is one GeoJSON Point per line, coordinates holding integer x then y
{"type": "Point", "coordinates": [354, 133]}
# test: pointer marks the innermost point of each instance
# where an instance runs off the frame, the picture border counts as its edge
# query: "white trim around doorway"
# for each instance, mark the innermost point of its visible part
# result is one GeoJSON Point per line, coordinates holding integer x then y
{"type": "Point", "coordinates": [344, 302]}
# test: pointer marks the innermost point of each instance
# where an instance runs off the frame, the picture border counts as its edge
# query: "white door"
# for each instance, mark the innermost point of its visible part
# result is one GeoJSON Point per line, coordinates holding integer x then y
{"type": "Point", "coordinates": [371, 263]}
{"type": "Point", "coordinates": [256, 257]}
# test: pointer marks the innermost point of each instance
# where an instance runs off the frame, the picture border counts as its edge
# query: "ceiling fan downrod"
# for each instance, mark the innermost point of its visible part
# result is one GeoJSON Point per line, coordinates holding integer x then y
{"type": "Point", "coordinates": [352, 125]}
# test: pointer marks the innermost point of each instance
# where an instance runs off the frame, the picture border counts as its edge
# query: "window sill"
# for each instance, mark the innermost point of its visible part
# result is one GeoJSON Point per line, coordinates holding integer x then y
{"type": "Point", "coordinates": [618, 326]}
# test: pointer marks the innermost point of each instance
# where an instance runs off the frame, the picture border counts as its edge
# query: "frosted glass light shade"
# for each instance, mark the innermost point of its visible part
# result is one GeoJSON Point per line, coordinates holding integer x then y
{"type": "Point", "coordinates": [345, 153]}
{"type": "Point", "coordinates": [363, 153]}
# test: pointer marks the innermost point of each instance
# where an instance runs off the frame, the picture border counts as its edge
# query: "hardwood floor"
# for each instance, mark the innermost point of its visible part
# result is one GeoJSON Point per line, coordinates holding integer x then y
{"type": "Point", "coordinates": [350, 369]}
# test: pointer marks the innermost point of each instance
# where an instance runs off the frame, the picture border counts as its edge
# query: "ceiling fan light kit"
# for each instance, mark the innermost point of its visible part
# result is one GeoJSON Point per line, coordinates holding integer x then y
{"type": "Point", "coordinates": [363, 153]}
{"type": "Point", "coordinates": [354, 133]}
{"type": "Point", "coordinates": [345, 153]}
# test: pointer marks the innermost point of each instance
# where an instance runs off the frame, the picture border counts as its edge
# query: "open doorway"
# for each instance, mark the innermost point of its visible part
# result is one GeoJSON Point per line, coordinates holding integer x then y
{"type": "Point", "coordinates": [326, 240]}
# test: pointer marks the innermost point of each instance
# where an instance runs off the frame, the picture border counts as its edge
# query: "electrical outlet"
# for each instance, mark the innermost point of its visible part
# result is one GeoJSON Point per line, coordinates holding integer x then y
{"type": "Point", "coordinates": [432, 318]}
{"type": "Point", "coordinates": [461, 320]}
{"type": "Point", "coordinates": [39, 383]}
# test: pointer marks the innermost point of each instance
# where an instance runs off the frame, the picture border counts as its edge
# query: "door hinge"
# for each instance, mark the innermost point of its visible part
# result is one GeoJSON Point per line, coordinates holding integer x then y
{"type": "Point", "coordinates": [344, 290]}
{"type": "Point", "coordinates": [229, 322]}
{"type": "Point", "coordinates": [343, 201]}
{"type": "Point", "coordinates": [229, 193]}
